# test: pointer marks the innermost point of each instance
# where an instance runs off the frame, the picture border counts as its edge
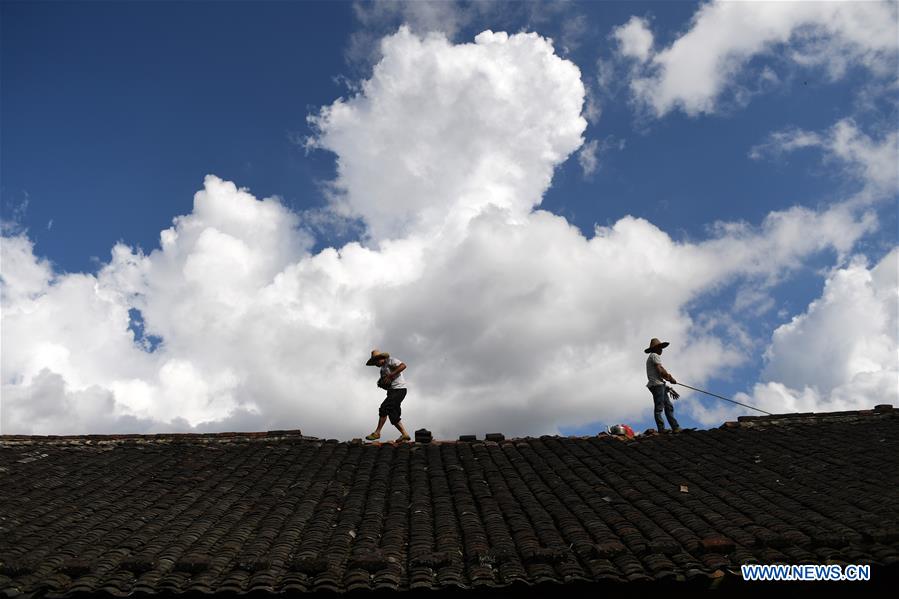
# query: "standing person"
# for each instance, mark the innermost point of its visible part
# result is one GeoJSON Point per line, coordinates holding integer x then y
{"type": "Point", "coordinates": [391, 379]}
{"type": "Point", "coordinates": [657, 376]}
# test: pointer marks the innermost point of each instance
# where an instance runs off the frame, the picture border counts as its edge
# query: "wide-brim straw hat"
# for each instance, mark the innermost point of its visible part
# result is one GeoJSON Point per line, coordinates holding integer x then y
{"type": "Point", "coordinates": [654, 343]}
{"type": "Point", "coordinates": [376, 354]}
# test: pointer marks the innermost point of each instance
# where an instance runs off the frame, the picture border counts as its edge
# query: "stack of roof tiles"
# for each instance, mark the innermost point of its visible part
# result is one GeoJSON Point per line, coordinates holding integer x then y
{"type": "Point", "coordinates": [279, 512]}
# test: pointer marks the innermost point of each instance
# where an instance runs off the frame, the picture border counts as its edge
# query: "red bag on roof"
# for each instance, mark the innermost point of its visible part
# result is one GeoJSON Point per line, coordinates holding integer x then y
{"type": "Point", "coordinates": [622, 430]}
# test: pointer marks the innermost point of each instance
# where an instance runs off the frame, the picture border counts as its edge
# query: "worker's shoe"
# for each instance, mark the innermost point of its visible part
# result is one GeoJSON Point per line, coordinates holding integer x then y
{"type": "Point", "coordinates": [675, 430]}
{"type": "Point", "coordinates": [404, 438]}
{"type": "Point", "coordinates": [373, 436]}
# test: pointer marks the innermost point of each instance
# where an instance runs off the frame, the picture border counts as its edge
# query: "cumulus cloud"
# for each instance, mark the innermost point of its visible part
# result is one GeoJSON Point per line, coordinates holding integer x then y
{"type": "Point", "coordinates": [841, 353]}
{"type": "Point", "coordinates": [845, 335]}
{"type": "Point", "coordinates": [483, 124]}
{"type": "Point", "coordinates": [707, 61]}
{"type": "Point", "coordinates": [23, 276]}
{"type": "Point", "coordinates": [508, 317]}
{"type": "Point", "coordinates": [46, 402]}
{"type": "Point", "coordinates": [202, 279]}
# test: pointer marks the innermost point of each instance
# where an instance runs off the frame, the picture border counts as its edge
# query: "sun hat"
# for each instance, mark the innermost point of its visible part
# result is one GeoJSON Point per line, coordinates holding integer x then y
{"type": "Point", "coordinates": [376, 354]}
{"type": "Point", "coordinates": [654, 343]}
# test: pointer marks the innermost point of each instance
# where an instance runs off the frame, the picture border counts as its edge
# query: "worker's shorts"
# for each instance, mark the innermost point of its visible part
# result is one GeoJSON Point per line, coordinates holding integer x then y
{"type": "Point", "coordinates": [390, 407]}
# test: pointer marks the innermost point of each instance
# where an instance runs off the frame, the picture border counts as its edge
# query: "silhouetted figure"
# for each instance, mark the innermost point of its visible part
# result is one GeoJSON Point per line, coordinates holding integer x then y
{"type": "Point", "coordinates": [657, 376]}
{"type": "Point", "coordinates": [391, 379]}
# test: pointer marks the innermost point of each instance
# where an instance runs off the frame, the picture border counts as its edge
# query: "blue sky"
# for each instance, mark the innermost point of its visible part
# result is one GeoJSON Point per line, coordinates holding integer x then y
{"type": "Point", "coordinates": [113, 113]}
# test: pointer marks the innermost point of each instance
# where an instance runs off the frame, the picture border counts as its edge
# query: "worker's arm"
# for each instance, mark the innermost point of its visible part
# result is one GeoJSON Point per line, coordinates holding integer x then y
{"type": "Point", "coordinates": [666, 376]}
{"type": "Point", "coordinates": [396, 371]}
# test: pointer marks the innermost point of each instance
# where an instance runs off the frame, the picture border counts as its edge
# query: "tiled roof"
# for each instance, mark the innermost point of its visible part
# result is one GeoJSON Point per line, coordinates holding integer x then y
{"type": "Point", "coordinates": [278, 512]}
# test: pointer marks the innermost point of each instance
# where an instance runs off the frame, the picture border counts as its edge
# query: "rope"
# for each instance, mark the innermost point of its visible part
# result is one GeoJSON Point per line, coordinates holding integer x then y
{"type": "Point", "coordinates": [726, 399]}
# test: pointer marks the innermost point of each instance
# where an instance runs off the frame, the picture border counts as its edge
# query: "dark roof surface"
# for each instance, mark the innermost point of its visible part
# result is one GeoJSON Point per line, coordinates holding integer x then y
{"type": "Point", "coordinates": [278, 512]}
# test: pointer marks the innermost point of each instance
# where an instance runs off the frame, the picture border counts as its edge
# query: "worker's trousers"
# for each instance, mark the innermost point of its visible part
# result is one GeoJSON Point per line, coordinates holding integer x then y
{"type": "Point", "coordinates": [661, 401]}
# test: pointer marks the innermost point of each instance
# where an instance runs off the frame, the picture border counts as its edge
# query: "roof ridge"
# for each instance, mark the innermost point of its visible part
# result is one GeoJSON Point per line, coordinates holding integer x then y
{"type": "Point", "coordinates": [297, 435]}
{"type": "Point", "coordinates": [103, 439]}
{"type": "Point", "coordinates": [808, 417]}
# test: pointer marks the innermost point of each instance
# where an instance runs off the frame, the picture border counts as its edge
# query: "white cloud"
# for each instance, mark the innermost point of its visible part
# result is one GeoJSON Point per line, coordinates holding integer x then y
{"type": "Point", "coordinates": [634, 39]}
{"type": "Point", "coordinates": [849, 332]}
{"type": "Point", "coordinates": [842, 353]}
{"type": "Point", "coordinates": [422, 17]}
{"type": "Point", "coordinates": [591, 153]}
{"type": "Point", "coordinates": [379, 18]}
{"type": "Point", "coordinates": [23, 276]}
{"type": "Point", "coordinates": [483, 125]}
{"type": "Point", "coordinates": [592, 107]}
{"type": "Point", "coordinates": [508, 317]}
{"type": "Point", "coordinates": [587, 158]}
{"type": "Point", "coordinates": [875, 161]}
{"type": "Point", "coordinates": [785, 141]}
{"type": "Point", "coordinates": [705, 62]}
{"type": "Point", "coordinates": [15, 210]}
{"type": "Point", "coordinates": [859, 157]}
{"type": "Point", "coordinates": [574, 30]}
{"type": "Point", "coordinates": [46, 406]}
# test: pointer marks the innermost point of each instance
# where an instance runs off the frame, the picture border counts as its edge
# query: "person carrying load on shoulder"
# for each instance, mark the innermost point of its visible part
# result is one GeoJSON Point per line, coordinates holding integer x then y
{"type": "Point", "coordinates": [391, 379]}
{"type": "Point", "coordinates": [657, 376]}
